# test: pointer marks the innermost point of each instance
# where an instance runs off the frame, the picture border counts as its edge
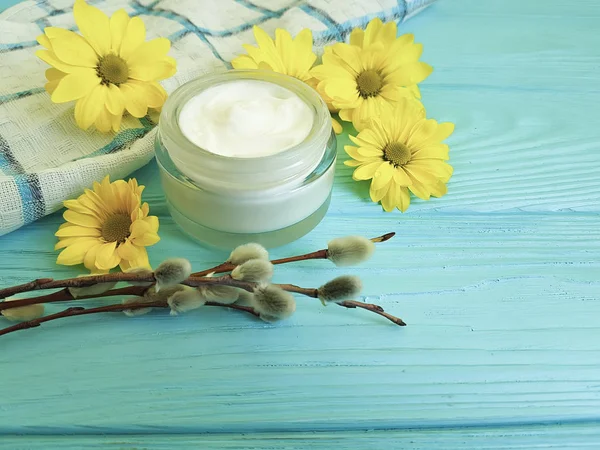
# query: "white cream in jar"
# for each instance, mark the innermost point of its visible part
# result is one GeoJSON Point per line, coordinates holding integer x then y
{"type": "Point", "coordinates": [246, 119]}
{"type": "Point", "coordinates": [244, 156]}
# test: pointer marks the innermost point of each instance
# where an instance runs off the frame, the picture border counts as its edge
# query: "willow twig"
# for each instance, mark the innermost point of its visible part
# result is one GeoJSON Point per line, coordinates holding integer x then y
{"type": "Point", "coordinates": [314, 293]}
{"type": "Point", "coordinates": [49, 283]}
{"type": "Point", "coordinates": [319, 254]}
{"type": "Point", "coordinates": [373, 308]}
{"type": "Point", "coordinates": [81, 311]}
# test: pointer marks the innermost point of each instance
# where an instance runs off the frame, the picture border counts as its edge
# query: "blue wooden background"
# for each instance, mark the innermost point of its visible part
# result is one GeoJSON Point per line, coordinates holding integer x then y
{"type": "Point", "coordinates": [499, 282]}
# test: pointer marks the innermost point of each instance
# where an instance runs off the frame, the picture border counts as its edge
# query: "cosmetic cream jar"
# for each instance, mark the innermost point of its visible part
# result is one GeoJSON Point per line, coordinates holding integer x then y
{"type": "Point", "coordinates": [225, 201]}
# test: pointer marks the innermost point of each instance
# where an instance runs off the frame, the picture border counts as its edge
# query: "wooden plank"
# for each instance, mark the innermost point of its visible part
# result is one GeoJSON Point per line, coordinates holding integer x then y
{"type": "Point", "coordinates": [502, 312]}
{"type": "Point", "coordinates": [561, 437]}
{"type": "Point", "coordinates": [498, 281]}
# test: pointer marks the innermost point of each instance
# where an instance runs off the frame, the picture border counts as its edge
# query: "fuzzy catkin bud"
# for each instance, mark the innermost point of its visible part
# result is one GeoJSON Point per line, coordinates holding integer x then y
{"type": "Point", "coordinates": [349, 250]}
{"type": "Point", "coordinates": [88, 291]}
{"type": "Point", "coordinates": [139, 271]}
{"type": "Point", "coordinates": [246, 252]}
{"type": "Point", "coordinates": [340, 288]}
{"type": "Point", "coordinates": [172, 271]}
{"type": "Point", "coordinates": [185, 300]}
{"type": "Point", "coordinates": [245, 298]}
{"type": "Point", "coordinates": [220, 294]}
{"type": "Point", "coordinates": [254, 271]}
{"type": "Point", "coordinates": [22, 313]}
{"type": "Point", "coordinates": [273, 303]}
{"type": "Point", "coordinates": [136, 311]}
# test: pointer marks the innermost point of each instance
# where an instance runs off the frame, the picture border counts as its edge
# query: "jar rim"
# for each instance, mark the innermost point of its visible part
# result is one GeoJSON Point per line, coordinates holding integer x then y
{"type": "Point", "coordinates": [210, 170]}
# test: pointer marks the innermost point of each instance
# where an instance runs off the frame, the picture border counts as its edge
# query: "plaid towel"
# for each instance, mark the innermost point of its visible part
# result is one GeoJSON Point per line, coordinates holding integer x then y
{"type": "Point", "coordinates": [45, 158]}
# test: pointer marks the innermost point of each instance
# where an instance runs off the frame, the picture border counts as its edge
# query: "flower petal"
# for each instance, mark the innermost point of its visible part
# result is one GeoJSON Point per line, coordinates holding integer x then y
{"type": "Point", "coordinates": [151, 92]}
{"type": "Point", "coordinates": [138, 229]}
{"type": "Point", "coordinates": [89, 260]}
{"type": "Point", "coordinates": [401, 178]}
{"type": "Point", "coordinates": [75, 50]}
{"type": "Point", "coordinates": [50, 58]}
{"type": "Point", "coordinates": [421, 174]}
{"type": "Point", "coordinates": [141, 260]}
{"type": "Point", "coordinates": [383, 175]}
{"type": "Point", "coordinates": [152, 221]}
{"type": "Point", "coordinates": [158, 70]}
{"type": "Point", "coordinates": [107, 256]}
{"type": "Point", "coordinates": [135, 35]}
{"type": "Point", "coordinates": [118, 25]}
{"type": "Point", "coordinates": [83, 220]}
{"type": "Point", "coordinates": [115, 101]}
{"type": "Point", "coordinates": [94, 25]}
{"type": "Point", "coordinates": [91, 106]}
{"type": "Point", "coordinates": [367, 171]}
{"type": "Point", "coordinates": [103, 122]}
{"type": "Point", "coordinates": [150, 51]}
{"type": "Point", "coordinates": [53, 74]}
{"type": "Point", "coordinates": [115, 121]}
{"type": "Point", "coordinates": [128, 251]}
{"type": "Point", "coordinates": [135, 101]}
{"type": "Point", "coordinates": [78, 231]}
{"type": "Point", "coordinates": [75, 85]}
{"type": "Point", "coordinates": [377, 195]}
{"type": "Point", "coordinates": [74, 253]}
{"type": "Point", "coordinates": [66, 242]}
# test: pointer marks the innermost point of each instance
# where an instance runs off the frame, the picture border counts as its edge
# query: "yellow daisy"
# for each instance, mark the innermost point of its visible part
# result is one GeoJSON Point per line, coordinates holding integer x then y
{"type": "Point", "coordinates": [362, 79]}
{"type": "Point", "coordinates": [286, 55]}
{"type": "Point", "coordinates": [293, 57]}
{"type": "Point", "coordinates": [108, 70]}
{"type": "Point", "coordinates": [107, 226]}
{"type": "Point", "coordinates": [386, 33]}
{"type": "Point", "coordinates": [399, 151]}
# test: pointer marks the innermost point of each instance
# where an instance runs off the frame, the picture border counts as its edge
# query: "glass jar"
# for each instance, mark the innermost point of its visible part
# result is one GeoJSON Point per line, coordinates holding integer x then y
{"type": "Point", "coordinates": [227, 201]}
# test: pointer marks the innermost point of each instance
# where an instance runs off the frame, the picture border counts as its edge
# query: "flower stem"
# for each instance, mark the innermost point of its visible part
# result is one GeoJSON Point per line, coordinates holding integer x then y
{"type": "Point", "coordinates": [81, 311]}
{"type": "Point", "coordinates": [319, 254]}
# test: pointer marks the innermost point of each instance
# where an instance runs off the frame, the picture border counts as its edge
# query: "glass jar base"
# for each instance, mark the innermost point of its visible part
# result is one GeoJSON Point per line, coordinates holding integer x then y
{"type": "Point", "coordinates": [228, 241]}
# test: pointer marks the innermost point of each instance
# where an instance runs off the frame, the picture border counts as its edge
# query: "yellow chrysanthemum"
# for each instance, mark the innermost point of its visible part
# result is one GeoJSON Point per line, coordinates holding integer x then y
{"type": "Point", "coordinates": [386, 33]}
{"type": "Point", "coordinates": [107, 227]}
{"type": "Point", "coordinates": [399, 151]}
{"type": "Point", "coordinates": [286, 55]}
{"type": "Point", "coordinates": [362, 77]}
{"type": "Point", "coordinates": [108, 70]}
{"type": "Point", "coordinates": [293, 57]}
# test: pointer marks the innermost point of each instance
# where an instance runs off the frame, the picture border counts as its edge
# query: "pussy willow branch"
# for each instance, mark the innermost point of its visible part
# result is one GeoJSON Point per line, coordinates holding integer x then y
{"type": "Point", "coordinates": [314, 293]}
{"type": "Point", "coordinates": [49, 283]}
{"type": "Point", "coordinates": [319, 254]}
{"type": "Point", "coordinates": [64, 295]}
{"type": "Point", "coordinates": [81, 311]}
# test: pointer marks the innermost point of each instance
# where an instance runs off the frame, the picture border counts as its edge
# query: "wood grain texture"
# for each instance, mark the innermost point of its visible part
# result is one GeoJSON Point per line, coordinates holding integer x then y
{"type": "Point", "coordinates": [551, 436]}
{"type": "Point", "coordinates": [499, 282]}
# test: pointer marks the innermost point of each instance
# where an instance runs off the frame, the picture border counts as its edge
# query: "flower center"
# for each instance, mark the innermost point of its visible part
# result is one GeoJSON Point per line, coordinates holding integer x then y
{"type": "Point", "coordinates": [112, 69]}
{"type": "Point", "coordinates": [397, 153]}
{"type": "Point", "coordinates": [116, 228]}
{"type": "Point", "coordinates": [369, 83]}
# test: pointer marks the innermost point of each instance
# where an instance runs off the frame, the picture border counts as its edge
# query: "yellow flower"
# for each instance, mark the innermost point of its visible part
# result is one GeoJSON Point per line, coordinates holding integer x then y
{"type": "Point", "coordinates": [387, 33]}
{"type": "Point", "coordinates": [286, 55]}
{"type": "Point", "coordinates": [293, 57]}
{"type": "Point", "coordinates": [362, 79]}
{"type": "Point", "coordinates": [108, 70]}
{"type": "Point", "coordinates": [402, 150]}
{"type": "Point", "coordinates": [106, 227]}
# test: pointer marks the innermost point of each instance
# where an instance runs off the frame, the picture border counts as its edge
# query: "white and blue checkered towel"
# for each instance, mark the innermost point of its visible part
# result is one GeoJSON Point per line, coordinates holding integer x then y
{"type": "Point", "coordinates": [45, 158]}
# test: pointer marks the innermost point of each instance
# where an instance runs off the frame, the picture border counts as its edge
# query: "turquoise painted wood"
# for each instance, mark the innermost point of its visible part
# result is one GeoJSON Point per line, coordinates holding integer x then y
{"type": "Point", "coordinates": [499, 282]}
